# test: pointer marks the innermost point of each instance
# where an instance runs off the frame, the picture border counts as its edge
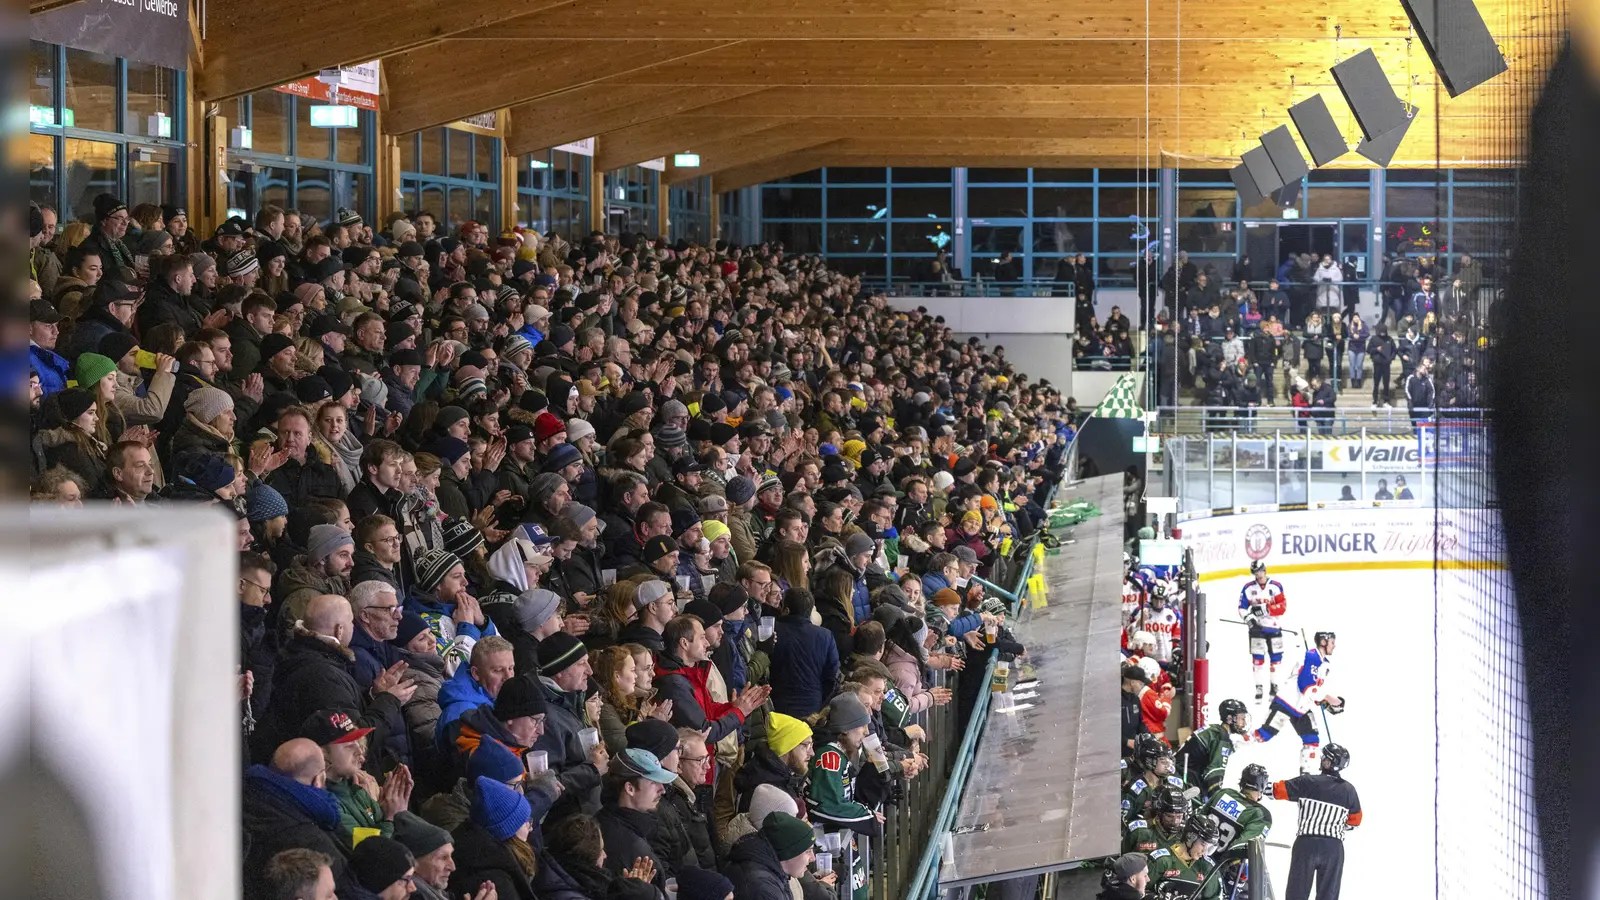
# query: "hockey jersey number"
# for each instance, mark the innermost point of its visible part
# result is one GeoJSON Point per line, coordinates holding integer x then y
{"type": "Point", "coordinates": [1265, 601]}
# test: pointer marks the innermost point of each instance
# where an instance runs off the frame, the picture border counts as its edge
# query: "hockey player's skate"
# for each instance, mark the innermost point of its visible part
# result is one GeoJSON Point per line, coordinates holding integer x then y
{"type": "Point", "coordinates": [1260, 693]}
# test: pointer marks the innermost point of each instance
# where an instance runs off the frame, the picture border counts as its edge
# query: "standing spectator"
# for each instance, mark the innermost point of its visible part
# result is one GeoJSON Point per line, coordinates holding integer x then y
{"type": "Point", "coordinates": [805, 658]}
{"type": "Point", "coordinates": [1420, 393]}
{"type": "Point", "coordinates": [1323, 399]}
{"type": "Point", "coordinates": [1329, 276]}
{"type": "Point", "coordinates": [1359, 337]}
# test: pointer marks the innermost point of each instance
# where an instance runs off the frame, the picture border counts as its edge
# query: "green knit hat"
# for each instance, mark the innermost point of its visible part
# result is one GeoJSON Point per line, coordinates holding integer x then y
{"type": "Point", "coordinates": [788, 836]}
{"type": "Point", "coordinates": [91, 368]}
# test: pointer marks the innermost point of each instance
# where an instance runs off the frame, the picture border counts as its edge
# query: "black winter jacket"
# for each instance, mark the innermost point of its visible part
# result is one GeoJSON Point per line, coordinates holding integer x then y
{"type": "Point", "coordinates": [755, 870]}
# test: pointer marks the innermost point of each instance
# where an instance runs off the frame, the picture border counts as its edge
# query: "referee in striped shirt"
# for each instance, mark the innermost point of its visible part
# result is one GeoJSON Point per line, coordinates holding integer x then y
{"type": "Point", "coordinates": [1328, 808]}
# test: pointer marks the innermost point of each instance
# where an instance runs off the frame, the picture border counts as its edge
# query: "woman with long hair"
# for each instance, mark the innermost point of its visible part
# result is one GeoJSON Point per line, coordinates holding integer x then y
{"type": "Point", "coordinates": [614, 672]}
{"type": "Point", "coordinates": [61, 486]}
{"type": "Point", "coordinates": [308, 355]}
{"type": "Point", "coordinates": [492, 845]}
{"type": "Point", "coordinates": [74, 441]}
{"type": "Point", "coordinates": [417, 429]}
{"type": "Point", "coordinates": [332, 433]}
{"type": "Point", "coordinates": [616, 609]}
{"type": "Point", "coordinates": [835, 603]}
{"type": "Point", "coordinates": [791, 565]}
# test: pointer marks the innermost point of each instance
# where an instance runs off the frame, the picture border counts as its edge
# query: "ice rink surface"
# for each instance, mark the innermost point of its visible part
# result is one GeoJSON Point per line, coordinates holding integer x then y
{"type": "Point", "coordinates": [1417, 717]}
{"type": "Point", "coordinates": [1382, 668]}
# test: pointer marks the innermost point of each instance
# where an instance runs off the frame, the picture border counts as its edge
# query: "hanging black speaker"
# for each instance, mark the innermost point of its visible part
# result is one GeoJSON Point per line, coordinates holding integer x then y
{"type": "Point", "coordinates": [1285, 156]}
{"type": "Point", "coordinates": [1318, 130]}
{"type": "Point", "coordinates": [1262, 169]}
{"type": "Point", "coordinates": [1367, 90]}
{"type": "Point", "coordinates": [1458, 42]}
{"type": "Point", "coordinates": [1249, 194]}
{"type": "Point", "coordinates": [1383, 149]}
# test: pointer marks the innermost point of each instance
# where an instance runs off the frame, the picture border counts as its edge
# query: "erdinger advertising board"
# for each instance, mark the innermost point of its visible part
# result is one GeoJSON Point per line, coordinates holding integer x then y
{"type": "Point", "coordinates": [1344, 539]}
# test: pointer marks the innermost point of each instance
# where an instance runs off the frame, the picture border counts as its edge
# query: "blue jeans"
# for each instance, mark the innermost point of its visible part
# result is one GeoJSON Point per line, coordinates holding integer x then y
{"type": "Point", "coordinates": [1358, 358]}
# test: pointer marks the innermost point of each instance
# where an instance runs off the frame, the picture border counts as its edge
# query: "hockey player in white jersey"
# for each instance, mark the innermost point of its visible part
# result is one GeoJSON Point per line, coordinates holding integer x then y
{"type": "Point", "coordinates": [1305, 690]}
{"type": "Point", "coordinates": [1261, 603]}
{"type": "Point", "coordinates": [1162, 622]}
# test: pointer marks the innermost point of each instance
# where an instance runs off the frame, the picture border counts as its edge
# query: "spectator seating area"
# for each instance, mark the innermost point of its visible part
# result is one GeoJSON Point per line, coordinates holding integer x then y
{"type": "Point", "coordinates": [566, 570]}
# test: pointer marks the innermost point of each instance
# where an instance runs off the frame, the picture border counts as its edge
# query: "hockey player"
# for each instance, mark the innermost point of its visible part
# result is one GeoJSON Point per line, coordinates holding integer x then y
{"type": "Point", "coordinates": [1161, 621]}
{"type": "Point", "coordinates": [1170, 808]}
{"type": "Point", "coordinates": [1155, 770]}
{"type": "Point", "coordinates": [1329, 807]}
{"type": "Point", "coordinates": [1185, 861]}
{"type": "Point", "coordinates": [1306, 690]}
{"type": "Point", "coordinates": [1261, 602]}
{"type": "Point", "coordinates": [1240, 816]}
{"type": "Point", "coordinates": [1133, 600]}
{"type": "Point", "coordinates": [1203, 761]}
{"type": "Point", "coordinates": [1142, 646]}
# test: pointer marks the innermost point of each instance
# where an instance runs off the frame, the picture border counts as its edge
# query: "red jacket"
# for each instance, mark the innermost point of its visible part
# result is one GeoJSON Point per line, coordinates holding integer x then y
{"type": "Point", "coordinates": [1155, 706]}
{"type": "Point", "coordinates": [702, 712]}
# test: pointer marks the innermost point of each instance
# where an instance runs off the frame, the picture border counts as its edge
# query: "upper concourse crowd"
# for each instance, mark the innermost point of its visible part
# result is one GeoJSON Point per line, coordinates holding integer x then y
{"type": "Point", "coordinates": [608, 568]}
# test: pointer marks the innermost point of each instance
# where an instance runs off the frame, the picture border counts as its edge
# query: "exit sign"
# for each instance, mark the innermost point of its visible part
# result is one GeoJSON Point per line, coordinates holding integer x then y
{"type": "Point", "coordinates": [333, 117]}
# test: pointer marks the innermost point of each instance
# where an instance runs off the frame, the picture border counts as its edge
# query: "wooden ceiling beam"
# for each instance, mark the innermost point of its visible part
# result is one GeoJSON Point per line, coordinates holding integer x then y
{"type": "Point", "coordinates": [598, 108]}
{"type": "Point", "coordinates": [732, 179]}
{"type": "Point", "coordinates": [675, 134]}
{"type": "Point", "coordinates": [424, 89]}
{"type": "Point", "coordinates": [755, 148]}
{"type": "Point", "coordinates": [249, 47]}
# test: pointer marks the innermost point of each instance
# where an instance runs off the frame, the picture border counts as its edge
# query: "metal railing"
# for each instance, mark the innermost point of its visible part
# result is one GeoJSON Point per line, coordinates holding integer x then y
{"type": "Point", "coordinates": [975, 286]}
{"type": "Point", "coordinates": [1340, 421]}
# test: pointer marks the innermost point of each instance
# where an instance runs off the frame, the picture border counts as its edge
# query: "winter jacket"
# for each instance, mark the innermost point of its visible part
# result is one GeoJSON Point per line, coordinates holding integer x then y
{"type": "Point", "coordinates": [907, 672]}
{"type": "Point", "coordinates": [479, 858]}
{"type": "Point", "coordinates": [562, 722]}
{"type": "Point", "coordinates": [627, 834]}
{"type": "Point", "coordinates": [556, 880]}
{"type": "Point", "coordinates": [358, 809]}
{"type": "Point", "coordinates": [682, 811]}
{"type": "Point", "coordinates": [280, 813]}
{"type": "Point", "coordinates": [298, 586]}
{"type": "Point", "coordinates": [246, 342]}
{"type": "Point", "coordinates": [372, 656]}
{"type": "Point", "coordinates": [461, 693]}
{"type": "Point", "coordinates": [742, 532]}
{"type": "Point", "coordinates": [805, 667]}
{"type": "Point", "coordinates": [369, 569]}
{"type": "Point", "coordinates": [692, 705]}
{"type": "Point", "coordinates": [162, 304]}
{"type": "Point", "coordinates": [755, 870]}
{"type": "Point", "coordinates": [299, 482]}
{"type": "Point", "coordinates": [314, 674]}
{"type": "Point", "coordinates": [53, 368]}
{"type": "Point", "coordinates": [148, 407]}
{"type": "Point", "coordinates": [90, 328]}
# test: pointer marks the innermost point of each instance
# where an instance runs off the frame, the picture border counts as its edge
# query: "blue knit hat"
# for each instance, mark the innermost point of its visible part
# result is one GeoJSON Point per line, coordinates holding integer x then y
{"type": "Point", "coordinates": [702, 884]}
{"type": "Point", "coordinates": [263, 502]}
{"type": "Point", "coordinates": [493, 759]}
{"type": "Point", "coordinates": [500, 809]}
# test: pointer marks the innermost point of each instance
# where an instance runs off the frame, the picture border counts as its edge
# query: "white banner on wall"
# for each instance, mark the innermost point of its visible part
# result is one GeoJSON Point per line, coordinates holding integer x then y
{"type": "Point", "coordinates": [1348, 539]}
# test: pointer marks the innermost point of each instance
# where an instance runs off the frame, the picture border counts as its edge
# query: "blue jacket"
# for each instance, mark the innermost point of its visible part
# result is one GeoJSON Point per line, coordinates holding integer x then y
{"type": "Point", "coordinates": [461, 693]}
{"type": "Point", "coordinates": [372, 657]}
{"type": "Point", "coordinates": [861, 601]}
{"type": "Point", "coordinates": [805, 667]}
{"type": "Point", "coordinates": [433, 612]}
{"type": "Point", "coordinates": [52, 368]}
{"type": "Point", "coordinates": [967, 621]}
{"type": "Point", "coordinates": [933, 583]}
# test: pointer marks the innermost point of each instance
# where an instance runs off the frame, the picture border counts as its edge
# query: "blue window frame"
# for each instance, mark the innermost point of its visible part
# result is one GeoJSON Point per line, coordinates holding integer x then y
{"type": "Point", "coordinates": [295, 165]}
{"type": "Point", "coordinates": [553, 192]}
{"type": "Point", "coordinates": [633, 197]}
{"type": "Point", "coordinates": [452, 174]}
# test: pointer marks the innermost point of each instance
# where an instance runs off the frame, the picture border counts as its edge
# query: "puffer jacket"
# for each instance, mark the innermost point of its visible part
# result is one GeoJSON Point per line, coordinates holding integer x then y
{"type": "Point", "coordinates": [755, 870]}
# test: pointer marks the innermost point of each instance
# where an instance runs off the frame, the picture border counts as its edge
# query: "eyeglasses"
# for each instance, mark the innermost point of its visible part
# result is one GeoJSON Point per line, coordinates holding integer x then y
{"type": "Point", "coordinates": [393, 610]}
{"type": "Point", "coordinates": [392, 539]}
{"type": "Point", "coordinates": [694, 759]}
{"type": "Point", "coordinates": [260, 587]}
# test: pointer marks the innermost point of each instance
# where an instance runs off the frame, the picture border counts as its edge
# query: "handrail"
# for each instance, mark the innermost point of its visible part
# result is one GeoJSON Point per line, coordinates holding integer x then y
{"type": "Point", "coordinates": [928, 864]}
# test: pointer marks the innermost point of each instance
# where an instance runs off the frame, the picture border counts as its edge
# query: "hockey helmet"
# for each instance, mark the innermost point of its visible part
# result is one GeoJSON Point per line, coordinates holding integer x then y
{"type": "Point", "coordinates": [1321, 636]}
{"type": "Point", "coordinates": [1159, 591]}
{"type": "Point", "coordinates": [1257, 567]}
{"type": "Point", "coordinates": [1151, 668]}
{"type": "Point", "coordinates": [1142, 639]}
{"type": "Point", "coordinates": [1334, 758]}
{"type": "Point", "coordinates": [1254, 778]}
{"type": "Point", "coordinates": [1170, 800]}
{"type": "Point", "coordinates": [1151, 753]}
{"type": "Point", "coordinates": [1201, 828]}
{"type": "Point", "coordinates": [1230, 708]}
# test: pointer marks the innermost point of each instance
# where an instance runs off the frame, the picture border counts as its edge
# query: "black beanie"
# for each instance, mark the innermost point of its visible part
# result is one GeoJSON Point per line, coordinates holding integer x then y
{"type": "Point", "coordinates": [378, 862]}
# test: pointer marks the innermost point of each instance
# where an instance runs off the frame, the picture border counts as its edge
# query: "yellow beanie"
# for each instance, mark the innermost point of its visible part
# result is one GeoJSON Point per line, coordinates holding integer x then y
{"type": "Point", "coordinates": [712, 529]}
{"type": "Point", "coordinates": [852, 450]}
{"type": "Point", "coordinates": [784, 733]}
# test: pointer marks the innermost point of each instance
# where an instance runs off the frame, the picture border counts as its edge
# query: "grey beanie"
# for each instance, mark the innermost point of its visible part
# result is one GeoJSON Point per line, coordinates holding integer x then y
{"type": "Point", "coordinates": [419, 835]}
{"type": "Point", "coordinates": [1128, 865]}
{"type": "Point", "coordinates": [325, 540]}
{"type": "Point", "coordinates": [534, 607]}
{"type": "Point", "coordinates": [740, 489]}
{"type": "Point", "coordinates": [577, 513]}
{"type": "Point", "coordinates": [674, 409]}
{"type": "Point", "coordinates": [544, 485]}
{"type": "Point", "coordinates": [847, 712]}
{"type": "Point", "coordinates": [856, 544]}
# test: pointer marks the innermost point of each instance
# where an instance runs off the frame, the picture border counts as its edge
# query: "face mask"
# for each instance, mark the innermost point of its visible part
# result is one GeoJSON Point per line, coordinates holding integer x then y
{"type": "Point", "coordinates": [961, 581]}
{"type": "Point", "coordinates": [922, 636]}
{"type": "Point", "coordinates": [705, 546]}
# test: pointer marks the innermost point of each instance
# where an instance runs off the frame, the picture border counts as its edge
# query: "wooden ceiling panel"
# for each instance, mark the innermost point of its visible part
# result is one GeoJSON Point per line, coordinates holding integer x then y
{"type": "Point", "coordinates": [599, 108]}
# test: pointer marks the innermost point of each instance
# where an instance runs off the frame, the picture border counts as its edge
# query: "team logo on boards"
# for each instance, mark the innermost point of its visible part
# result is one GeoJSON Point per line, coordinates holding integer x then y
{"type": "Point", "coordinates": [1257, 541]}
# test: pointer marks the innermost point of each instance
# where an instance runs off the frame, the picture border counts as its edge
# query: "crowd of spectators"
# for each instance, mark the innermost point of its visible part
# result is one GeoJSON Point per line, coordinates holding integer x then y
{"type": "Point", "coordinates": [566, 570]}
{"type": "Point", "coordinates": [1301, 340]}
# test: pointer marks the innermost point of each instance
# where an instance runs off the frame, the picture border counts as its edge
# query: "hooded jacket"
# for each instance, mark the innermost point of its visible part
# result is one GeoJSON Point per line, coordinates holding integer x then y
{"type": "Point", "coordinates": [692, 705]}
{"type": "Point", "coordinates": [755, 870]}
{"type": "Point", "coordinates": [628, 835]}
{"type": "Point", "coordinates": [458, 695]}
{"type": "Point", "coordinates": [479, 858]}
{"type": "Point", "coordinates": [805, 667]}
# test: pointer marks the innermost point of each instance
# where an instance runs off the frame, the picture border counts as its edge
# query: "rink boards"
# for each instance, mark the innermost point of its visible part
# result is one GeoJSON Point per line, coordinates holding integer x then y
{"type": "Point", "coordinates": [1428, 661]}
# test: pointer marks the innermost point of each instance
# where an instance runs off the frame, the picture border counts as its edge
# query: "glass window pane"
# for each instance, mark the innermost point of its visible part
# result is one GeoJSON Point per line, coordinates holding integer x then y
{"type": "Point", "coordinates": [309, 142]}
{"type": "Point", "coordinates": [856, 237]}
{"type": "Point", "coordinates": [578, 223]}
{"type": "Point", "coordinates": [350, 190]}
{"type": "Point", "coordinates": [920, 203]}
{"type": "Point", "coordinates": [1068, 175]}
{"type": "Point", "coordinates": [486, 209]}
{"type": "Point", "coordinates": [42, 72]}
{"type": "Point", "coordinates": [313, 194]}
{"type": "Point", "coordinates": [796, 237]}
{"type": "Point", "coordinates": [1480, 238]}
{"type": "Point", "coordinates": [868, 267]}
{"type": "Point", "coordinates": [152, 181]}
{"type": "Point", "coordinates": [1341, 176]}
{"type": "Point", "coordinates": [919, 236]}
{"type": "Point", "coordinates": [486, 150]}
{"type": "Point", "coordinates": [915, 175]}
{"type": "Point", "coordinates": [241, 189]}
{"type": "Point", "coordinates": [433, 202]}
{"type": "Point", "coordinates": [42, 170]}
{"type": "Point", "coordinates": [352, 142]}
{"type": "Point", "coordinates": [856, 203]}
{"type": "Point", "coordinates": [460, 153]}
{"type": "Point", "coordinates": [91, 80]}
{"type": "Point", "coordinates": [1484, 202]}
{"type": "Point", "coordinates": [432, 152]}
{"type": "Point", "coordinates": [559, 178]}
{"type": "Point", "coordinates": [559, 219]}
{"type": "Point", "coordinates": [1120, 203]}
{"type": "Point", "coordinates": [1338, 203]}
{"type": "Point", "coordinates": [1133, 176]}
{"type": "Point", "coordinates": [408, 197]}
{"type": "Point", "coordinates": [1205, 236]}
{"type": "Point", "coordinates": [998, 203]}
{"type": "Point", "coordinates": [1207, 202]}
{"type": "Point", "coordinates": [791, 203]}
{"type": "Point", "coordinates": [989, 241]}
{"type": "Point", "coordinates": [272, 187]}
{"type": "Point", "coordinates": [997, 175]}
{"type": "Point", "coordinates": [269, 122]}
{"type": "Point", "coordinates": [1063, 203]}
{"type": "Point", "coordinates": [1063, 237]}
{"type": "Point", "coordinates": [91, 168]}
{"type": "Point", "coordinates": [858, 175]}
{"type": "Point", "coordinates": [151, 90]}
{"type": "Point", "coordinates": [1116, 237]}
{"type": "Point", "coordinates": [1415, 202]}
{"type": "Point", "coordinates": [460, 207]}
{"type": "Point", "coordinates": [408, 153]}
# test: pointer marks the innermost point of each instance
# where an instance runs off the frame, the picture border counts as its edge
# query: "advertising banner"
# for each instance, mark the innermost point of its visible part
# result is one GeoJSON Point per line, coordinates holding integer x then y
{"type": "Point", "coordinates": [1330, 539]}
{"type": "Point", "coordinates": [155, 32]}
{"type": "Point", "coordinates": [358, 86]}
{"type": "Point", "coordinates": [1371, 454]}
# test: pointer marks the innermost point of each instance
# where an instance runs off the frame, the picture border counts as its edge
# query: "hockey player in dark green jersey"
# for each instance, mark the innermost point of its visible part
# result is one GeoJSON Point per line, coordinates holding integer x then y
{"type": "Point", "coordinates": [1165, 825]}
{"type": "Point", "coordinates": [1155, 770]}
{"type": "Point", "coordinates": [1203, 761]}
{"type": "Point", "coordinates": [1239, 815]}
{"type": "Point", "coordinates": [1184, 861]}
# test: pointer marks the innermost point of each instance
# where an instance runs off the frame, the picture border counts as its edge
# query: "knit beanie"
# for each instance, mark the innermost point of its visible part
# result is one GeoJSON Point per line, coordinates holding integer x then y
{"type": "Point", "coordinates": [500, 809]}
{"type": "Point", "coordinates": [767, 799]}
{"type": "Point", "coordinates": [788, 836]}
{"type": "Point", "coordinates": [263, 503]}
{"type": "Point", "coordinates": [207, 471]}
{"type": "Point", "coordinates": [116, 344]}
{"type": "Point", "coordinates": [379, 862]}
{"type": "Point", "coordinates": [784, 733]}
{"type": "Point", "coordinates": [740, 489]}
{"type": "Point", "coordinates": [493, 759]}
{"type": "Point", "coordinates": [432, 567]}
{"type": "Point", "coordinates": [461, 538]}
{"type": "Point", "coordinates": [419, 835]}
{"type": "Point", "coordinates": [857, 544]}
{"type": "Point", "coordinates": [91, 368]}
{"type": "Point", "coordinates": [653, 735]}
{"type": "Point", "coordinates": [534, 607]}
{"type": "Point", "coordinates": [557, 652]}
{"type": "Point", "coordinates": [577, 513]}
{"type": "Point", "coordinates": [72, 403]}
{"type": "Point", "coordinates": [712, 529]}
{"type": "Point", "coordinates": [206, 403]}
{"type": "Point", "coordinates": [411, 625]}
{"type": "Point", "coordinates": [519, 698]}
{"type": "Point", "coordinates": [325, 540]}
{"type": "Point", "coordinates": [847, 712]}
{"type": "Point", "coordinates": [449, 449]}
{"type": "Point", "coordinates": [577, 430]}
{"type": "Point", "coordinates": [695, 883]}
